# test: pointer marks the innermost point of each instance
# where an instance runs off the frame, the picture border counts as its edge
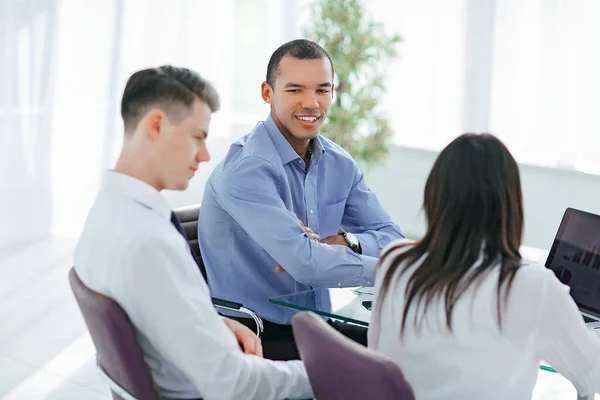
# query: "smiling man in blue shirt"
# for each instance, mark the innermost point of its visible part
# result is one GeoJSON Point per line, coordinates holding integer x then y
{"type": "Point", "coordinates": [279, 190]}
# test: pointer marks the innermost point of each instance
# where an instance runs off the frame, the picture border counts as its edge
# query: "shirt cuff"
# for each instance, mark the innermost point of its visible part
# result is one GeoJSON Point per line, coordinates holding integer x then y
{"type": "Point", "coordinates": [368, 244]}
{"type": "Point", "coordinates": [368, 273]}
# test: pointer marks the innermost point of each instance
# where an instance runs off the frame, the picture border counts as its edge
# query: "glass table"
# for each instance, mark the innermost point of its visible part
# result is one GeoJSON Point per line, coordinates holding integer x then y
{"type": "Point", "coordinates": [347, 304]}
{"type": "Point", "coordinates": [350, 305]}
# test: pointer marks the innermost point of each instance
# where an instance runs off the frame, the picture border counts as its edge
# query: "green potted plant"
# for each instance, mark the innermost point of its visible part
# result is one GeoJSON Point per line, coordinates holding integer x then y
{"type": "Point", "coordinates": [360, 50]}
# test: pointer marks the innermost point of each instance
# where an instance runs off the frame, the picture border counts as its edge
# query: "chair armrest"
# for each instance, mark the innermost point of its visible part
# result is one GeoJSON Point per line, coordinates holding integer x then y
{"type": "Point", "coordinates": [238, 307]}
{"type": "Point", "coordinates": [230, 305]}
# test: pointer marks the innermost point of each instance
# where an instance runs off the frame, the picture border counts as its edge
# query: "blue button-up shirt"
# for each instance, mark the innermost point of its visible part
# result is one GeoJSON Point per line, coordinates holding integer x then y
{"type": "Point", "coordinates": [254, 205]}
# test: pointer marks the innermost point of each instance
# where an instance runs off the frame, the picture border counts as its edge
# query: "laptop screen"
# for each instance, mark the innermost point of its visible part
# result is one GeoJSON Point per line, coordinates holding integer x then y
{"type": "Point", "coordinates": [575, 257]}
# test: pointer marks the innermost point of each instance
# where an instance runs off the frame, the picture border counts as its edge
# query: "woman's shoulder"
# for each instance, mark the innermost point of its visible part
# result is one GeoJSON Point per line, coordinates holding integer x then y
{"type": "Point", "coordinates": [397, 246]}
{"type": "Point", "coordinates": [533, 280]}
{"type": "Point", "coordinates": [530, 271]}
{"type": "Point", "coordinates": [392, 251]}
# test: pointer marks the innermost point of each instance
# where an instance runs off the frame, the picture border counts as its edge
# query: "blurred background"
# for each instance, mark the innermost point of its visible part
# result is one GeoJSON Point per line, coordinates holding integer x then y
{"type": "Point", "coordinates": [524, 70]}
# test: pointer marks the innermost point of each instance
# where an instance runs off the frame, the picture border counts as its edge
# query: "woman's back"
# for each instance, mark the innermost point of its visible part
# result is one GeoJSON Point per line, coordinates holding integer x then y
{"type": "Point", "coordinates": [477, 359]}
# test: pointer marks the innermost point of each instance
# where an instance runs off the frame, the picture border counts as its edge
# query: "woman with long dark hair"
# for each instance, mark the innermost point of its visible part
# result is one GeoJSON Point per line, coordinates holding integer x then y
{"type": "Point", "coordinates": [459, 310]}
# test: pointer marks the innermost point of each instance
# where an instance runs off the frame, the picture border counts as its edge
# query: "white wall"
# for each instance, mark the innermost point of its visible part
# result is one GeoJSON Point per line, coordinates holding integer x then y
{"type": "Point", "coordinates": [547, 192]}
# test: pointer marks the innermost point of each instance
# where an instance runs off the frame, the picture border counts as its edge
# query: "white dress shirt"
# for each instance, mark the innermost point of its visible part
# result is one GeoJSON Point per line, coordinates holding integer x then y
{"type": "Point", "coordinates": [131, 252]}
{"type": "Point", "coordinates": [479, 361]}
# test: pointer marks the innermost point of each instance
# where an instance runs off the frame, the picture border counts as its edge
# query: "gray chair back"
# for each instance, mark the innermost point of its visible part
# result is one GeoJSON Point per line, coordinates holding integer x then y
{"type": "Point", "coordinates": [188, 218]}
{"type": "Point", "coordinates": [119, 356]}
{"type": "Point", "coordinates": [339, 368]}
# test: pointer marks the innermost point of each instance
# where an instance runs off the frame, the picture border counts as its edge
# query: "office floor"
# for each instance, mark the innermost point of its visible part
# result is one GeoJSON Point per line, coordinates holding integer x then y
{"type": "Point", "coordinates": [45, 351]}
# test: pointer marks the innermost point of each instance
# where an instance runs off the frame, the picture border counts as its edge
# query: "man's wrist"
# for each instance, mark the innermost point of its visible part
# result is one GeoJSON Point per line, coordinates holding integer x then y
{"type": "Point", "coordinates": [352, 242]}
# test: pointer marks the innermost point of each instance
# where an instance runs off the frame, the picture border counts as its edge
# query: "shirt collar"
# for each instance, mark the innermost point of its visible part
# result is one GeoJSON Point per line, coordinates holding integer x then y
{"type": "Point", "coordinates": [138, 191]}
{"type": "Point", "coordinates": [318, 149]}
{"type": "Point", "coordinates": [285, 149]}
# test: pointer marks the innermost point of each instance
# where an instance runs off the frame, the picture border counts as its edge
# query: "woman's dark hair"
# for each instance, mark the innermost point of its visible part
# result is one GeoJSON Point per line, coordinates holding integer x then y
{"type": "Point", "coordinates": [474, 209]}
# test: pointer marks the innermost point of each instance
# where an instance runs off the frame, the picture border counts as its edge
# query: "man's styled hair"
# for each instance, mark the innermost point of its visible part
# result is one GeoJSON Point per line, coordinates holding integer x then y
{"type": "Point", "coordinates": [169, 88]}
{"type": "Point", "coordinates": [301, 49]}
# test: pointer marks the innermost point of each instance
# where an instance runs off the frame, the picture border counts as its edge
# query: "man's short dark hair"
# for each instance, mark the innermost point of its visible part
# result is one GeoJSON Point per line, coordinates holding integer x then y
{"type": "Point", "coordinates": [172, 89]}
{"type": "Point", "coordinates": [301, 49]}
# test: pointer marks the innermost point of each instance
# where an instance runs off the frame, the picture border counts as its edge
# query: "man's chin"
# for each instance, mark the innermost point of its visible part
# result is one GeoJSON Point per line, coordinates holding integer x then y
{"type": "Point", "coordinates": [306, 135]}
{"type": "Point", "coordinates": [306, 131]}
{"type": "Point", "coordinates": [179, 186]}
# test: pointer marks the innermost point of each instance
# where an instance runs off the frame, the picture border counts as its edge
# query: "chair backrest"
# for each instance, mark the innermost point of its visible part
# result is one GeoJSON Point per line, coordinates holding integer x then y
{"type": "Point", "coordinates": [119, 355]}
{"type": "Point", "coordinates": [188, 217]}
{"type": "Point", "coordinates": [339, 368]}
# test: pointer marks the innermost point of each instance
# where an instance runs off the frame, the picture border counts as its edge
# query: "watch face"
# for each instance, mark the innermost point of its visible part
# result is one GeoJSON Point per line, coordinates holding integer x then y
{"type": "Point", "coordinates": [352, 240]}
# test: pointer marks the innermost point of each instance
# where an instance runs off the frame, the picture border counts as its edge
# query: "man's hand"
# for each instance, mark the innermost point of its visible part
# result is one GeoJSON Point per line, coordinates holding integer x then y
{"type": "Point", "coordinates": [249, 342]}
{"type": "Point", "coordinates": [310, 233]}
{"type": "Point", "coordinates": [335, 239]}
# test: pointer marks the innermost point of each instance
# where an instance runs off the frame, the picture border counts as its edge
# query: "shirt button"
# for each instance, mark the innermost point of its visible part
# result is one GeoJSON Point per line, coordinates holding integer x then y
{"type": "Point", "coordinates": [368, 282]}
{"type": "Point", "coordinates": [340, 284]}
{"type": "Point", "coordinates": [311, 211]}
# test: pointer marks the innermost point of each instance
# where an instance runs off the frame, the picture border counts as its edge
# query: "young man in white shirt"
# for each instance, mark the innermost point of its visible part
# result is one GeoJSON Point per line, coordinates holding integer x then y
{"type": "Point", "coordinates": [131, 251]}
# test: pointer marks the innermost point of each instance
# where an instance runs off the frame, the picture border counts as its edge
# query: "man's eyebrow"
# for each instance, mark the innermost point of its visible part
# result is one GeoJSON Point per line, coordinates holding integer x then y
{"type": "Point", "coordinates": [297, 85]}
{"type": "Point", "coordinates": [293, 85]}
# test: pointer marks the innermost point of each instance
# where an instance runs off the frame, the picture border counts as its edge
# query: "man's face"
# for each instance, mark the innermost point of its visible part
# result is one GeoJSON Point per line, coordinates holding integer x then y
{"type": "Point", "coordinates": [301, 97]}
{"type": "Point", "coordinates": [183, 146]}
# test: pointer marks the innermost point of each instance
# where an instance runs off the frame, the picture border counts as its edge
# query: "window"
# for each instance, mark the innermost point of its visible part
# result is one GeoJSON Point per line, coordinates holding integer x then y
{"type": "Point", "coordinates": [425, 90]}
{"type": "Point", "coordinates": [546, 86]}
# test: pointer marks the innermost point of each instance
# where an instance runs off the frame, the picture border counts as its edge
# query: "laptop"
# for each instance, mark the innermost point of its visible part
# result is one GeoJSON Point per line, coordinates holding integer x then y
{"type": "Point", "coordinates": [575, 260]}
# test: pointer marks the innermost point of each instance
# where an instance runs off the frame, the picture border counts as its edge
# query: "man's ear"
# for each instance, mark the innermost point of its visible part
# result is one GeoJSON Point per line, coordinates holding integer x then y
{"type": "Point", "coordinates": [154, 121]}
{"type": "Point", "coordinates": [267, 92]}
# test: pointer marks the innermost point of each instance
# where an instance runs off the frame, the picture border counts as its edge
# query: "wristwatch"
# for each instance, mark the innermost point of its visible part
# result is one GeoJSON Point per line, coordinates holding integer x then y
{"type": "Point", "coordinates": [353, 242]}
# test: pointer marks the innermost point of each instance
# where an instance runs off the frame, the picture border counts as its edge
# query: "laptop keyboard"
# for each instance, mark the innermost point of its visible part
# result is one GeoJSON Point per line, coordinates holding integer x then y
{"type": "Point", "coordinates": [588, 319]}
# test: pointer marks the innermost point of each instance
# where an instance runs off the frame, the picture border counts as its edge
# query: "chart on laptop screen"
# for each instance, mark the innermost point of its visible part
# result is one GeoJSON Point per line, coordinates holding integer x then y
{"type": "Point", "coordinates": [575, 257]}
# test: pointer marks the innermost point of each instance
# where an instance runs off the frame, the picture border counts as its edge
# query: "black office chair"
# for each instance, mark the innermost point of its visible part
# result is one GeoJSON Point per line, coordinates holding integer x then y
{"type": "Point", "coordinates": [188, 217]}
